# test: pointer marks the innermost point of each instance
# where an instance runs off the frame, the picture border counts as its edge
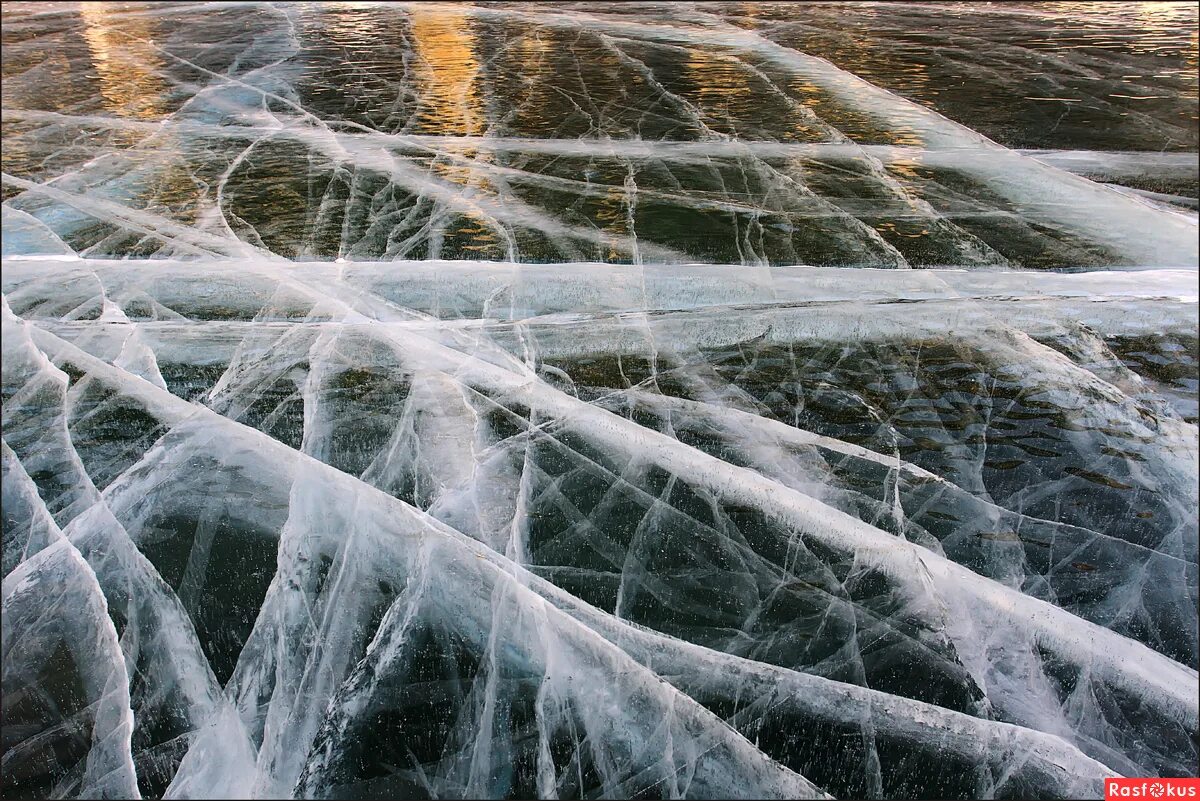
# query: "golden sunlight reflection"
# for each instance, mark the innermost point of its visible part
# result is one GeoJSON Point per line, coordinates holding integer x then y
{"type": "Point", "coordinates": [718, 79]}
{"type": "Point", "coordinates": [613, 211]}
{"type": "Point", "coordinates": [126, 66]}
{"type": "Point", "coordinates": [448, 73]}
{"type": "Point", "coordinates": [447, 70]}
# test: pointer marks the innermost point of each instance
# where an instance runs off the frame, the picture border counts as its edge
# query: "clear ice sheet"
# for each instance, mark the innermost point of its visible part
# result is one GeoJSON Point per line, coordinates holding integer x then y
{"type": "Point", "coordinates": [540, 401]}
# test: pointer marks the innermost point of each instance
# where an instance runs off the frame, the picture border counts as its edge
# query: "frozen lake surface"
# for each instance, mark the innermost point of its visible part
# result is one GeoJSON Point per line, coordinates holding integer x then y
{"type": "Point", "coordinates": [587, 400]}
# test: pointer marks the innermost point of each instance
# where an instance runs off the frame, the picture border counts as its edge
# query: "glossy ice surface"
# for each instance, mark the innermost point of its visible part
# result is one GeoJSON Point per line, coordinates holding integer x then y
{"type": "Point", "coordinates": [540, 400]}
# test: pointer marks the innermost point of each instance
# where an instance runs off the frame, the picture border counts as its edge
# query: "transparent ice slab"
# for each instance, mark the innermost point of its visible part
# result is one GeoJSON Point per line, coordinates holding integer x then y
{"type": "Point", "coordinates": [520, 400]}
{"type": "Point", "coordinates": [536, 134]}
{"type": "Point", "coordinates": [910, 521]}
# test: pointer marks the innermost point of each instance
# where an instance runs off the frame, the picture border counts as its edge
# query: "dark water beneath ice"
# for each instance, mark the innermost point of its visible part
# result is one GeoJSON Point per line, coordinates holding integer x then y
{"type": "Point", "coordinates": [305, 131]}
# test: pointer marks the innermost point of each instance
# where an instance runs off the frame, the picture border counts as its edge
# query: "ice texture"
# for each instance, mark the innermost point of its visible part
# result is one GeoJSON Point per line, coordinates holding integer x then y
{"type": "Point", "coordinates": [529, 400]}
